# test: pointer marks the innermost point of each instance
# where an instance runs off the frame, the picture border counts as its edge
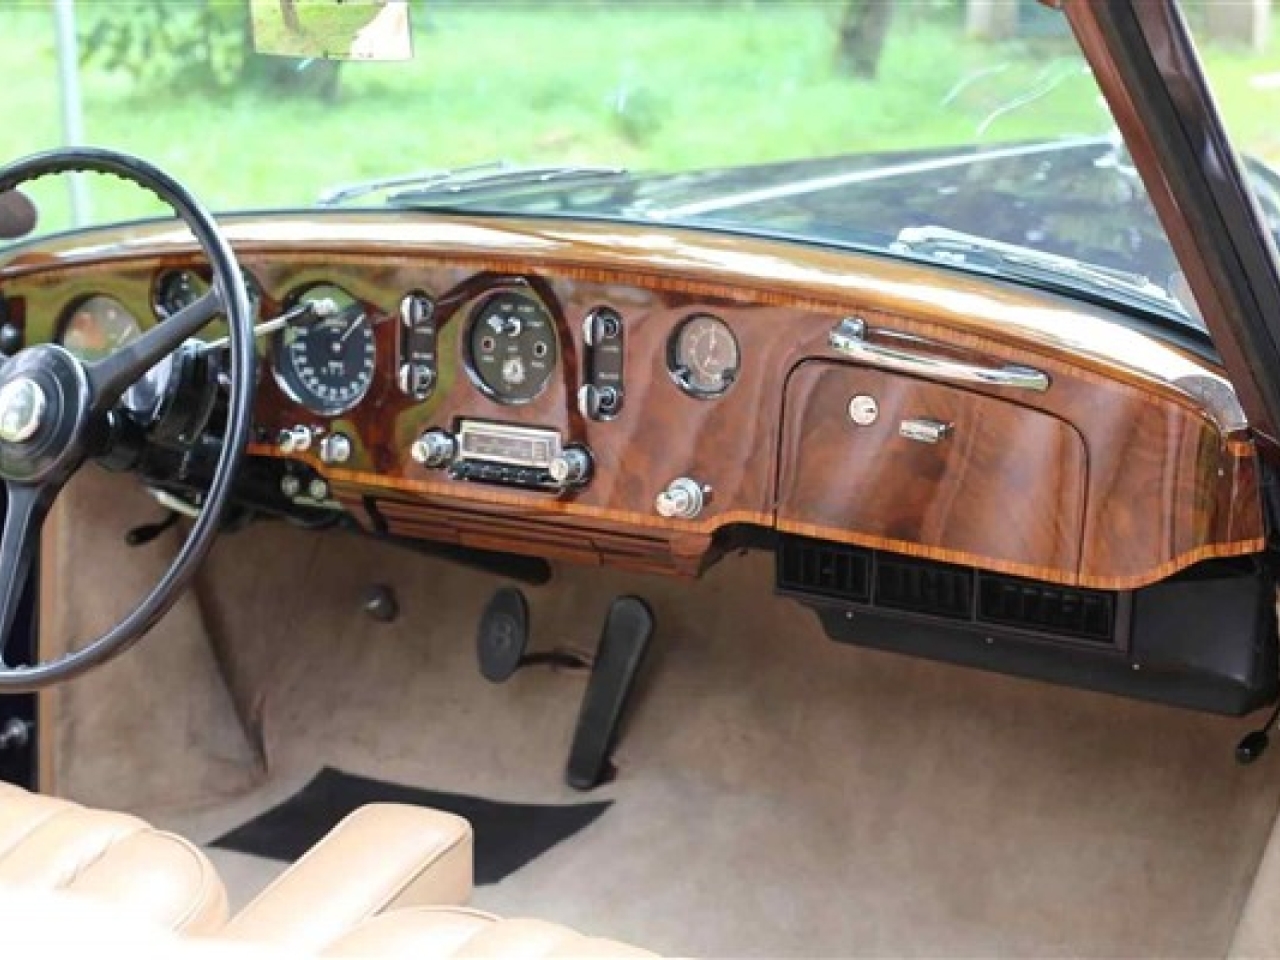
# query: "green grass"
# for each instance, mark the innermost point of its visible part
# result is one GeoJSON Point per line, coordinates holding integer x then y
{"type": "Point", "coordinates": [649, 86]}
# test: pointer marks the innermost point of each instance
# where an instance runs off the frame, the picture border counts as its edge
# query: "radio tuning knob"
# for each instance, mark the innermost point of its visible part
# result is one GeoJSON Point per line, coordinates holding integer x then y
{"type": "Point", "coordinates": [683, 499]}
{"type": "Point", "coordinates": [435, 448]}
{"type": "Point", "coordinates": [571, 467]}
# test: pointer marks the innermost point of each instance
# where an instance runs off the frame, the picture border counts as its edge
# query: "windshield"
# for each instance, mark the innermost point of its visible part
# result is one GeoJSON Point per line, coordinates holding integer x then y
{"type": "Point", "coordinates": [835, 122]}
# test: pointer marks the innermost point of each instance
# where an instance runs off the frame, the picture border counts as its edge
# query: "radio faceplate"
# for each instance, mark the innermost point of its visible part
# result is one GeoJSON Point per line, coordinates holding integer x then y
{"type": "Point", "coordinates": [503, 444]}
{"type": "Point", "coordinates": [529, 457]}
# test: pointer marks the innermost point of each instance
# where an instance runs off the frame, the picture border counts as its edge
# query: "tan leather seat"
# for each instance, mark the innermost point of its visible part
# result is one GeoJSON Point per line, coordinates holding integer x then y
{"type": "Point", "coordinates": [383, 856]}
{"type": "Point", "coordinates": [428, 933]}
{"type": "Point", "coordinates": [63, 925]}
{"type": "Point", "coordinates": [387, 882]}
{"type": "Point", "coordinates": [115, 859]}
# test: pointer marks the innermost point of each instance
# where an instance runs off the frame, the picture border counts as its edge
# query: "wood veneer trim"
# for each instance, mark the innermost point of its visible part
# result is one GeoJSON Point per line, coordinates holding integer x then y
{"type": "Point", "coordinates": [742, 288]}
{"type": "Point", "coordinates": [1049, 574]}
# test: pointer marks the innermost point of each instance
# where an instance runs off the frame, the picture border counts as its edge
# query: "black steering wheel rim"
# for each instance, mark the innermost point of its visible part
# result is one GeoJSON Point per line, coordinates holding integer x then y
{"type": "Point", "coordinates": [228, 297]}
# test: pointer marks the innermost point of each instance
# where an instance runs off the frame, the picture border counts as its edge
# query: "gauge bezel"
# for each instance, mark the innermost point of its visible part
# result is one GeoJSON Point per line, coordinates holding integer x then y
{"type": "Point", "coordinates": [76, 305]}
{"type": "Point", "coordinates": [680, 374]}
{"type": "Point", "coordinates": [314, 404]}
{"type": "Point", "coordinates": [252, 287]}
{"type": "Point", "coordinates": [479, 304]}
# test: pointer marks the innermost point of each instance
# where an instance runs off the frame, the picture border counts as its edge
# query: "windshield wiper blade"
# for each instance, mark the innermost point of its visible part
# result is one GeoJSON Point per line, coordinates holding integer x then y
{"type": "Point", "coordinates": [498, 173]}
{"type": "Point", "coordinates": [953, 246]}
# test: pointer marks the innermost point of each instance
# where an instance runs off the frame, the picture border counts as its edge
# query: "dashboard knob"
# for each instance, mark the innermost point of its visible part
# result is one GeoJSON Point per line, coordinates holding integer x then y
{"type": "Point", "coordinates": [294, 439]}
{"type": "Point", "coordinates": [571, 467]}
{"type": "Point", "coordinates": [683, 499]}
{"type": "Point", "coordinates": [335, 448]}
{"type": "Point", "coordinates": [416, 380]}
{"type": "Point", "coordinates": [435, 448]}
{"type": "Point", "coordinates": [597, 403]}
{"type": "Point", "coordinates": [600, 325]}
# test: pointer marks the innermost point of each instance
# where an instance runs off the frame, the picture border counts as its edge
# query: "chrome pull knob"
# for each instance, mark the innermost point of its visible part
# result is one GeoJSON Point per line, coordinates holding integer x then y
{"type": "Point", "coordinates": [683, 499]}
{"type": "Point", "coordinates": [435, 448]}
{"type": "Point", "coordinates": [597, 403]}
{"type": "Point", "coordinates": [571, 467]}
{"type": "Point", "coordinates": [335, 448]}
{"type": "Point", "coordinates": [294, 439]}
{"type": "Point", "coordinates": [415, 380]}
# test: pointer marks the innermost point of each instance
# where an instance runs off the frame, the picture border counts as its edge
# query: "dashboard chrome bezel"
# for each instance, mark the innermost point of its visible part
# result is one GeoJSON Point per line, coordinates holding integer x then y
{"type": "Point", "coordinates": [475, 308]}
{"type": "Point", "coordinates": [276, 345]}
{"type": "Point", "coordinates": [680, 374]}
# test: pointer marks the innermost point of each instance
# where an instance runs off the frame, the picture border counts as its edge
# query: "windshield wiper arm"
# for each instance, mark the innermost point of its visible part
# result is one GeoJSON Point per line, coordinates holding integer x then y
{"type": "Point", "coordinates": [498, 173]}
{"type": "Point", "coordinates": [954, 246]}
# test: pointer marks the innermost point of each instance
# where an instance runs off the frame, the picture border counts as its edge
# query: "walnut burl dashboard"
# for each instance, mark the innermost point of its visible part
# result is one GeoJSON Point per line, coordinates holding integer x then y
{"type": "Point", "coordinates": [635, 396]}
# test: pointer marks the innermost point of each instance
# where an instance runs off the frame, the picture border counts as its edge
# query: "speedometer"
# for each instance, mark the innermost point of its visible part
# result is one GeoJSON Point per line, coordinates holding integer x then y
{"type": "Point", "coordinates": [328, 366]}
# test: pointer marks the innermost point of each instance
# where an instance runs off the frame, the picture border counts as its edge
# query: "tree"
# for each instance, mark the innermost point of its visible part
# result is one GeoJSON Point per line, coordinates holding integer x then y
{"type": "Point", "coordinates": [863, 28]}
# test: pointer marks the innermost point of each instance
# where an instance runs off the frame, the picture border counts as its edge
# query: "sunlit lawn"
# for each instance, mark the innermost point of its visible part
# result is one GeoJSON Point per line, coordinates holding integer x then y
{"type": "Point", "coordinates": [652, 86]}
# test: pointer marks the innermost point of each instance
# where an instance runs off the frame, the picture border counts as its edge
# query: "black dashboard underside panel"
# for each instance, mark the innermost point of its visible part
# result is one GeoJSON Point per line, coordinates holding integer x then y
{"type": "Point", "coordinates": [1204, 639]}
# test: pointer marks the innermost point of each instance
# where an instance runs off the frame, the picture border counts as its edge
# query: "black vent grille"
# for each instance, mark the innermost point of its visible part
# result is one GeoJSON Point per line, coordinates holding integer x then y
{"type": "Point", "coordinates": [826, 569]}
{"type": "Point", "coordinates": [921, 586]}
{"type": "Point", "coordinates": [1031, 605]}
{"type": "Point", "coordinates": [911, 585]}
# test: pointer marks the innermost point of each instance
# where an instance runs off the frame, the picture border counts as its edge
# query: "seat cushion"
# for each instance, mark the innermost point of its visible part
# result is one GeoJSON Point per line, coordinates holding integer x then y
{"type": "Point", "coordinates": [436, 933]}
{"type": "Point", "coordinates": [383, 856]}
{"type": "Point", "coordinates": [112, 858]}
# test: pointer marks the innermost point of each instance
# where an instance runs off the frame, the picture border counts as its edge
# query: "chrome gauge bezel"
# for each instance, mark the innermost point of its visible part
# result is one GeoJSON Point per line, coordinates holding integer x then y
{"type": "Point", "coordinates": [79, 304]}
{"type": "Point", "coordinates": [474, 317]}
{"type": "Point", "coordinates": [683, 376]}
{"type": "Point", "coordinates": [144, 396]}
{"type": "Point", "coordinates": [199, 279]}
{"type": "Point", "coordinates": [278, 358]}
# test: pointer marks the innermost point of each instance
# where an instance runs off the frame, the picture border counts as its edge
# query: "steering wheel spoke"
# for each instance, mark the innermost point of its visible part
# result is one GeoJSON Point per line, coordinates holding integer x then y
{"type": "Point", "coordinates": [110, 377]}
{"type": "Point", "coordinates": [24, 519]}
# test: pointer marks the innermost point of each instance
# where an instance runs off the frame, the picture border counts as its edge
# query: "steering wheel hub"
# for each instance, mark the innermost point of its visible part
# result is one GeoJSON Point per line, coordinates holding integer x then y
{"type": "Point", "coordinates": [22, 405]}
{"type": "Point", "coordinates": [43, 409]}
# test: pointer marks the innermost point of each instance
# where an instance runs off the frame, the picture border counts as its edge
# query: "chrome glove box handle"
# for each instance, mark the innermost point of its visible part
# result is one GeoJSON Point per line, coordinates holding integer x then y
{"type": "Point", "coordinates": [849, 337]}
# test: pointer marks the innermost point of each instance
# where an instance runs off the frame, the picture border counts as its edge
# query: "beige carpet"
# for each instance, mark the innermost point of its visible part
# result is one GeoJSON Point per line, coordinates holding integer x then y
{"type": "Point", "coordinates": [778, 794]}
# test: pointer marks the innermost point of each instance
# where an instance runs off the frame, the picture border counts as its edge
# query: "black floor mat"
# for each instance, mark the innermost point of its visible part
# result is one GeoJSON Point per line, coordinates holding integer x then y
{"type": "Point", "coordinates": [508, 835]}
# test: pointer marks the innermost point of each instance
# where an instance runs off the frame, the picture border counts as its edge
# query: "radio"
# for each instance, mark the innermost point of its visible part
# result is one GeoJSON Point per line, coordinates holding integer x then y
{"type": "Point", "coordinates": [530, 457]}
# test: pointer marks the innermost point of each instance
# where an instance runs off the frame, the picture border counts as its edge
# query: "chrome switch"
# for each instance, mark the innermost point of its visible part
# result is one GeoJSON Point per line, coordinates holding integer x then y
{"type": "Point", "coordinates": [683, 499]}
{"type": "Point", "coordinates": [335, 448]}
{"type": "Point", "coordinates": [571, 467]}
{"type": "Point", "coordinates": [294, 439]}
{"type": "Point", "coordinates": [435, 448]}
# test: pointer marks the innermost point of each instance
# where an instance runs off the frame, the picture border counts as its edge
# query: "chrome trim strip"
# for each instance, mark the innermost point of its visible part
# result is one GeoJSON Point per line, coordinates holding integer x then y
{"type": "Point", "coordinates": [849, 337]}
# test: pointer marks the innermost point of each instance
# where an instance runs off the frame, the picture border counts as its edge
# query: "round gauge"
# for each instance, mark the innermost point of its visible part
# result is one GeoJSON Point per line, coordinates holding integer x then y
{"type": "Point", "coordinates": [97, 327]}
{"type": "Point", "coordinates": [703, 356]}
{"type": "Point", "coordinates": [327, 367]}
{"type": "Point", "coordinates": [176, 289]}
{"type": "Point", "coordinates": [511, 343]}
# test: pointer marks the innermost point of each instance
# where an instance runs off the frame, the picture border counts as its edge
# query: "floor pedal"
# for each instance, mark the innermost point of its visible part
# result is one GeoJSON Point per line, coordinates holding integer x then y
{"type": "Point", "coordinates": [628, 629]}
{"type": "Point", "coordinates": [503, 635]}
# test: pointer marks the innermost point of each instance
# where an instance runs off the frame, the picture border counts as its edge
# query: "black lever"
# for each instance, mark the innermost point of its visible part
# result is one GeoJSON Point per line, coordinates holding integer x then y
{"type": "Point", "coordinates": [140, 536]}
{"type": "Point", "coordinates": [1254, 744]}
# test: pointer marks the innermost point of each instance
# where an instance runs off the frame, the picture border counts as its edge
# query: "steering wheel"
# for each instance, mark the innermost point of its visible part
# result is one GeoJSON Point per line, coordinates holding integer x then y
{"type": "Point", "coordinates": [53, 406]}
